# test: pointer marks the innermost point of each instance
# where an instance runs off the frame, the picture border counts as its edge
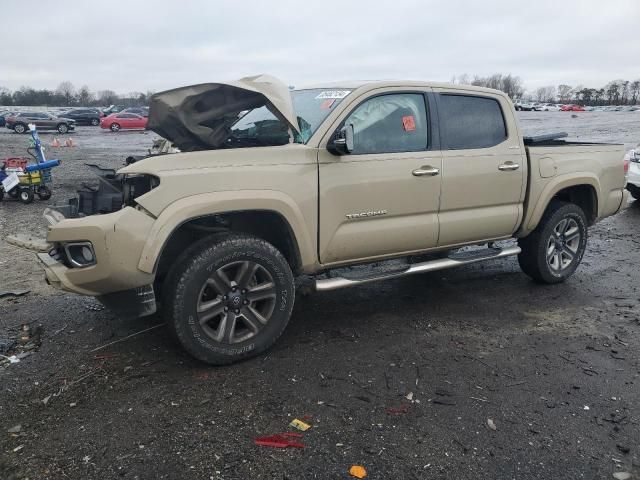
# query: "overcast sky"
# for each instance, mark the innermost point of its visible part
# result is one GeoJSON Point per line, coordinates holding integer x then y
{"type": "Point", "coordinates": [155, 45]}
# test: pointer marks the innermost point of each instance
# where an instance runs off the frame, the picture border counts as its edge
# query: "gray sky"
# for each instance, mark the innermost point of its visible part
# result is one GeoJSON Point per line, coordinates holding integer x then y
{"type": "Point", "coordinates": [155, 45]}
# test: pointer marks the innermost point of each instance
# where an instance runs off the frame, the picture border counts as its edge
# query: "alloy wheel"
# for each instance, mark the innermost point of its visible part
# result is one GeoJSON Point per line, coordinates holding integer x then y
{"type": "Point", "coordinates": [563, 244]}
{"type": "Point", "coordinates": [236, 302]}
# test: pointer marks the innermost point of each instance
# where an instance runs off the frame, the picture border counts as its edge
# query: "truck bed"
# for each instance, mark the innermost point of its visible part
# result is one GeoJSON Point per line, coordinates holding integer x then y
{"type": "Point", "coordinates": [553, 161]}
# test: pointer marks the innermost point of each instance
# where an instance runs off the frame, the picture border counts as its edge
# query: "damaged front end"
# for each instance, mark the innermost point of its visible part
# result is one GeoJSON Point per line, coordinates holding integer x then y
{"type": "Point", "coordinates": [114, 191]}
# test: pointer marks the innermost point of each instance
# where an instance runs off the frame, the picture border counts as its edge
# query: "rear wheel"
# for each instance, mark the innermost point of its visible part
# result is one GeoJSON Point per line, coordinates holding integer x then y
{"type": "Point", "coordinates": [95, 122]}
{"type": "Point", "coordinates": [553, 251]}
{"type": "Point", "coordinates": [115, 127]}
{"type": "Point", "coordinates": [62, 128]}
{"type": "Point", "coordinates": [20, 128]}
{"type": "Point", "coordinates": [44, 193]}
{"type": "Point", "coordinates": [228, 299]}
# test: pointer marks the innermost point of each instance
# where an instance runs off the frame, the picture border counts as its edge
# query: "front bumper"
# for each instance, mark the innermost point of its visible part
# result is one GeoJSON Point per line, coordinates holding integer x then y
{"type": "Point", "coordinates": [118, 240]}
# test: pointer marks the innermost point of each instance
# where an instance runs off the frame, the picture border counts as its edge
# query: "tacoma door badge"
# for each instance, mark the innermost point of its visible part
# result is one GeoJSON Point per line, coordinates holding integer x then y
{"type": "Point", "coordinates": [373, 213]}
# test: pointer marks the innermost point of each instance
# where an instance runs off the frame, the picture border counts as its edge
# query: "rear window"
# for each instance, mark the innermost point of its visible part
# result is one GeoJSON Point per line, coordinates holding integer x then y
{"type": "Point", "coordinates": [468, 121]}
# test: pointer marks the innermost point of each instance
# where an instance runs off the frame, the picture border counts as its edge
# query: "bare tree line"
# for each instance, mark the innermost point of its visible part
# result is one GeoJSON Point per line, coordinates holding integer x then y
{"type": "Point", "coordinates": [616, 92]}
{"type": "Point", "coordinates": [67, 95]}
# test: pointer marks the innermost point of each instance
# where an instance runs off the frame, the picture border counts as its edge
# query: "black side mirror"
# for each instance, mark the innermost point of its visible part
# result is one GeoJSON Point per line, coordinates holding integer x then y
{"type": "Point", "coordinates": [343, 142]}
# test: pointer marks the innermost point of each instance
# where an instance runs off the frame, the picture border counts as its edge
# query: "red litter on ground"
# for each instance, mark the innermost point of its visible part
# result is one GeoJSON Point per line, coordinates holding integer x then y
{"type": "Point", "coordinates": [401, 410]}
{"type": "Point", "coordinates": [280, 440]}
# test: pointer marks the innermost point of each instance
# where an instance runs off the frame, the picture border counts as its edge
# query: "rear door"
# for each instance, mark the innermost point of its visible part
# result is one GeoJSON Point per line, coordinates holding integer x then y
{"type": "Point", "coordinates": [483, 167]}
{"type": "Point", "coordinates": [138, 121]}
{"type": "Point", "coordinates": [41, 120]}
{"type": "Point", "coordinates": [382, 198]}
{"type": "Point", "coordinates": [125, 120]}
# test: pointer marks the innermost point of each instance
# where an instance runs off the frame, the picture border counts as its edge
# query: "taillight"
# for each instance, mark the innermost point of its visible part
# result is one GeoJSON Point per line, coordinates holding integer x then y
{"type": "Point", "coordinates": [626, 160]}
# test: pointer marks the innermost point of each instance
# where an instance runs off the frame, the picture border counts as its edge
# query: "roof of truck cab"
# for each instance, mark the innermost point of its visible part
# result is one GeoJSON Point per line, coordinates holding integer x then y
{"type": "Point", "coordinates": [372, 84]}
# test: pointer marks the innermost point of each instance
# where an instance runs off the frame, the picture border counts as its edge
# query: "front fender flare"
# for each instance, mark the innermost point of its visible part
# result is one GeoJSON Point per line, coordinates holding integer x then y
{"type": "Point", "coordinates": [201, 205]}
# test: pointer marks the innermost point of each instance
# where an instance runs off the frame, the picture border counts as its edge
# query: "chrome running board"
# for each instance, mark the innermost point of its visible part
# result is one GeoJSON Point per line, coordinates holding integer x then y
{"type": "Point", "coordinates": [430, 266]}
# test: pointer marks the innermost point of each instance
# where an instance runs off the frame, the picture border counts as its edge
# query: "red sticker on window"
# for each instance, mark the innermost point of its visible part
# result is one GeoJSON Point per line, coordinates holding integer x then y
{"type": "Point", "coordinates": [326, 105]}
{"type": "Point", "coordinates": [409, 123]}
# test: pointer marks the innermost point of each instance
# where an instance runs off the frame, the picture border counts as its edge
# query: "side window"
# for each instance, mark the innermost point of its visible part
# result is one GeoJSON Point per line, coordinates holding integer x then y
{"type": "Point", "coordinates": [390, 123]}
{"type": "Point", "coordinates": [125, 115]}
{"type": "Point", "coordinates": [468, 121]}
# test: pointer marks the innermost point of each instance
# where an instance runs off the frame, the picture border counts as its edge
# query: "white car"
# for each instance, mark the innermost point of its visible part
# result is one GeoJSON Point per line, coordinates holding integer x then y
{"type": "Point", "coordinates": [633, 179]}
{"type": "Point", "coordinates": [550, 107]}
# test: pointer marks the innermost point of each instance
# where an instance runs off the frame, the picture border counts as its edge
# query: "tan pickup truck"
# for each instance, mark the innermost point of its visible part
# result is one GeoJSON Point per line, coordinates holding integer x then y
{"type": "Point", "coordinates": [271, 184]}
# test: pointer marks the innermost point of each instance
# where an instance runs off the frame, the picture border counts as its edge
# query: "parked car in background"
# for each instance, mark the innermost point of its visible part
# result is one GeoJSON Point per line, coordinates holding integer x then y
{"type": "Point", "coordinates": [19, 122]}
{"type": "Point", "coordinates": [142, 111]}
{"type": "Point", "coordinates": [3, 115]}
{"type": "Point", "coordinates": [633, 180]}
{"type": "Point", "coordinates": [572, 108]}
{"type": "Point", "coordinates": [123, 121]}
{"type": "Point", "coordinates": [550, 107]}
{"type": "Point", "coordinates": [523, 106]}
{"type": "Point", "coordinates": [84, 116]}
{"type": "Point", "coordinates": [112, 109]}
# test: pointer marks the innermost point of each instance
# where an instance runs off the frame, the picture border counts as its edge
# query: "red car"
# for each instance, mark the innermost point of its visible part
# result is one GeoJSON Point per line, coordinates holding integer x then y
{"type": "Point", "coordinates": [572, 108]}
{"type": "Point", "coordinates": [123, 121]}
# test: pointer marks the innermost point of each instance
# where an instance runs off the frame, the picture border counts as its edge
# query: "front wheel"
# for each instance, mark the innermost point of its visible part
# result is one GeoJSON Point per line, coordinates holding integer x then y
{"type": "Point", "coordinates": [26, 195]}
{"type": "Point", "coordinates": [20, 128]}
{"type": "Point", "coordinates": [62, 128]}
{"type": "Point", "coordinates": [553, 251]}
{"type": "Point", "coordinates": [229, 299]}
{"type": "Point", "coordinates": [95, 122]}
{"type": "Point", "coordinates": [115, 127]}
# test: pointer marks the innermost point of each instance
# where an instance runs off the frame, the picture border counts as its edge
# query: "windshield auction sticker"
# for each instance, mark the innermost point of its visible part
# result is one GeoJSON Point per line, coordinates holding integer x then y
{"type": "Point", "coordinates": [334, 94]}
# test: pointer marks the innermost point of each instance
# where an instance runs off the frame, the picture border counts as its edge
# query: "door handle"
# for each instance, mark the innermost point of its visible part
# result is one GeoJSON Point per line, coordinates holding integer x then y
{"type": "Point", "coordinates": [426, 170]}
{"type": "Point", "coordinates": [508, 166]}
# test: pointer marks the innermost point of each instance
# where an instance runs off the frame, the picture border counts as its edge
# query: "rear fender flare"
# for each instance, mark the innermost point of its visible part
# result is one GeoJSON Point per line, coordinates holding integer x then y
{"type": "Point", "coordinates": [556, 185]}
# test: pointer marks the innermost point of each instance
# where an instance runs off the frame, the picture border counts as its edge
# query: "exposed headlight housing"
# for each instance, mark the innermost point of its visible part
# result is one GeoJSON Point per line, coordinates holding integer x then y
{"type": "Point", "coordinates": [136, 185]}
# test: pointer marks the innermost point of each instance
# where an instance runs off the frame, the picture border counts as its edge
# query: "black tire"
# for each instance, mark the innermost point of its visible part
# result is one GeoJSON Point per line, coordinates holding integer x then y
{"type": "Point", "coordinates": [192, 288]}
{"type": "Point", "coordinates": [26, 195]}
{"type": "Point", "coordinates": [62, 128]}
{"type": "Point", "coordinates": [634, 190]}
{"type": "Point", "coordinates": [44, 192]}
{"type": "Point", "coordinates": [1, 194]}
{"type": "Point", "coordinates": [20, 128]}
{"type": "Point", "coordinates": [552, 243]}
{"type": "Point", "coordinates": [115, 127]}
{"type": "Point", "coordinates": [94, 122]}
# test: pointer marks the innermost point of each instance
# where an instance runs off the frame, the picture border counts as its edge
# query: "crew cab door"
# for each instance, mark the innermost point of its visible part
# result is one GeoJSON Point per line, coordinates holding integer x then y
{"type": "Point", "coordinates": [383, 197]}
{"type": "Point", "coordinates": [483, 167]}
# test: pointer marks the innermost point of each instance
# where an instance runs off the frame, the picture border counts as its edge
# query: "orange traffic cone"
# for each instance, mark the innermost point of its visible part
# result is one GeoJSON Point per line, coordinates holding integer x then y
{"type": "Point", "coordinates": [55, 142]}
{"type": "Point", "coordinates": [68, 142]}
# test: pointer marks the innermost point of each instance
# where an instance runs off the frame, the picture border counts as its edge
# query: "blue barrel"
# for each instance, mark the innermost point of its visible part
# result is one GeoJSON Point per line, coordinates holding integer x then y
{"type": "Point", "coordinates": [42, 166]}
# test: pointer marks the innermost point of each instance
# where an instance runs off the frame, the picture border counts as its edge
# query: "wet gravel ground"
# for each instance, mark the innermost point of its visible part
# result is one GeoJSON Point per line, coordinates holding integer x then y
{"type": "Point", "coordinates": [400, 377]}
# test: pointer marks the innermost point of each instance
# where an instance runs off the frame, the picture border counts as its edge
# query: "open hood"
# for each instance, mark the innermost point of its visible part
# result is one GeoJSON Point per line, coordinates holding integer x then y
{"type": "Point", "coordinates": [199, 116]}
